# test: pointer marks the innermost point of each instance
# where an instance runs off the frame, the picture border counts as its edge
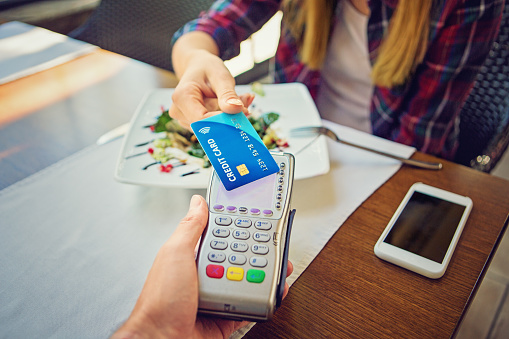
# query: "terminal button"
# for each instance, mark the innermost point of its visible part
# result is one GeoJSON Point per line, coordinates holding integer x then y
{"type": "Point", "coordinates": [243, 222]}
{"type": "Point", "coordinates": [237, 259]}
{"type": "Point", "coordinates": [238, 246]}
{"type": "Point", "coordinates": [218, 244]}
{"type": "Point", "coordinates": [215, 271]}
{"type": "Point", "coordinates": [260, 249]}
{"type": "Point", "coordinates": [221, 232]}
{"type": "Point", "coordinates": [258, 261]}
{"type": "Point", "coordinates": [217, 256]}
{"type": "Point", "coordinates": [263, 225]}
{"type": "Point", "coordinates": [235, 273]}
{"type": "Point", "coordinates": [241, 234]}
{"type": "Point", "coordinates": [223, 221]}
{"type": "Point", "coordinates": [267, 213]}
{"type": "Point", "coordinates": [255, 276]}
{"type": "Point", "coordinates": [261, 236]}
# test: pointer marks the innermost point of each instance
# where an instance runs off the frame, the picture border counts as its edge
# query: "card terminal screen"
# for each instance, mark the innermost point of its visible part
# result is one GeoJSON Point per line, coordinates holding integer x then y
{"type": "Point", "coordinates": [258, 194]}
{"type": "Point", "coordinates": [426, 226]}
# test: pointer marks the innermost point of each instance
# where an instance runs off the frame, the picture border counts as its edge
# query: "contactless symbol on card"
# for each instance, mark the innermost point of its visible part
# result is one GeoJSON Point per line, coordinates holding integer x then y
{"type": "Point", "coordinates": [234, 149]}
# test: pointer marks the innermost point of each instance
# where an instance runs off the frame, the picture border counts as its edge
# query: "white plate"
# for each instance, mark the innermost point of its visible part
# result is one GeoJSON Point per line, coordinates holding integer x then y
{"type": "Point", "coordinates": [291, 101]}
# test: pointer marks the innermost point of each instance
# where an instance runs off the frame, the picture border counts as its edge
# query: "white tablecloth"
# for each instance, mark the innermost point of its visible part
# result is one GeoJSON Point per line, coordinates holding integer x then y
{"type": "Point", "coordinates": [76, 246]}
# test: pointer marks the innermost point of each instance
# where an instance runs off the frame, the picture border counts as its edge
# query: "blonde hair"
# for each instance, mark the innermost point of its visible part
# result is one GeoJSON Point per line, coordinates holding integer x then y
{"type": "Point", "coordinates": [402, 49]}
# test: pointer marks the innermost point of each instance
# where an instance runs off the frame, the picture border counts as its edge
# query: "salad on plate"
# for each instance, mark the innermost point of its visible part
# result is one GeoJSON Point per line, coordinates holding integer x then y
{"type": "Point", "coordinates": [178, 146]}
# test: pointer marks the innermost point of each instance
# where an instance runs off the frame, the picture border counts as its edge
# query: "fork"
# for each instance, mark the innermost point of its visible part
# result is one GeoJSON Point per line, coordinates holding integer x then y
{"type": "Point", "coordinates": [314, 130]}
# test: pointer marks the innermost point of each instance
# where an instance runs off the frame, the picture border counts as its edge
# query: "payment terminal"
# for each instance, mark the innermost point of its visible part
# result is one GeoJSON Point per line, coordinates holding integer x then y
{"type": "Point", "coordinates": [243, 253]}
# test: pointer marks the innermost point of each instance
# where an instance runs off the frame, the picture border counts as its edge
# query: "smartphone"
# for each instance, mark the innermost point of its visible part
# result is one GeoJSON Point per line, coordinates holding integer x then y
{"type": "Point", "coordinates": [243, 253]}
{"type": "Point", "coordinates": [423, 232]}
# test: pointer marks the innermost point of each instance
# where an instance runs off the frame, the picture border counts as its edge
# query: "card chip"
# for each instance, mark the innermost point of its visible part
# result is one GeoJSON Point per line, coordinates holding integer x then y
{"type": "Point", "coordinates": [242, 169]}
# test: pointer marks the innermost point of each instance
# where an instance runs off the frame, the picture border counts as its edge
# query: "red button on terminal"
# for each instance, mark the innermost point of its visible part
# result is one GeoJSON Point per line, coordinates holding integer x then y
{"type": "Point", "coordinates": [215, 271]}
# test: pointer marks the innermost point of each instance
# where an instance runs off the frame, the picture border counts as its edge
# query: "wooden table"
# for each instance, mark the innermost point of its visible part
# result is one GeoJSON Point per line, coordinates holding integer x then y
{"type": "Point", "coordinates": [346, 291]}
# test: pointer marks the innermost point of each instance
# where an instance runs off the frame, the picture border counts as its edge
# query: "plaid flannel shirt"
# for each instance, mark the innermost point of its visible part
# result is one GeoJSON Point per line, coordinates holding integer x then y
{"type": "Point", "coordinates": [423, 112]}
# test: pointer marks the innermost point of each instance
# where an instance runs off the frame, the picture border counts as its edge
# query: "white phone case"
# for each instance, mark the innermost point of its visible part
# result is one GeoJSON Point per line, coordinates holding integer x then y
{"type": "Point", "coordinates": [426, 230]}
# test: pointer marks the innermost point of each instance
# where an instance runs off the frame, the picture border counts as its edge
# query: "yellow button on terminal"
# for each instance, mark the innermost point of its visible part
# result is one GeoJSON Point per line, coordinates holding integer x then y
{"type": "Point", "coordinates": [235, 273]}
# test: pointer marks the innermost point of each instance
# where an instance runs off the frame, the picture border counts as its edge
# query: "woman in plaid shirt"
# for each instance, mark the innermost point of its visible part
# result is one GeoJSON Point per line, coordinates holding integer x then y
{"type": "Point", "coordinates": [398, 69]}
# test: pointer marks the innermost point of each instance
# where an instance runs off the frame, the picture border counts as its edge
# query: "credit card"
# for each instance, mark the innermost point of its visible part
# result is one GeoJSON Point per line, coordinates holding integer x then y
{"type": "Point", "coordinates": [234, 149]}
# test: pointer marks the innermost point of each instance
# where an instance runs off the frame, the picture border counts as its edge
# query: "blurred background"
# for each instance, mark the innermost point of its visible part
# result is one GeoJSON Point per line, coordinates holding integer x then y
{"type": "Point", "coordinates": [63, 16]}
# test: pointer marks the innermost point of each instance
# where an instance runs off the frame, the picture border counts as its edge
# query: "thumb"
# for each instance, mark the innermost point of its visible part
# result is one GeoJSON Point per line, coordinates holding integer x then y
{"type": "Point", "coordinates": [223, 84]}
{"type": "Point", "coordinates": [230, 103]}
{"type": "Point", "coordinates": [192, 225]}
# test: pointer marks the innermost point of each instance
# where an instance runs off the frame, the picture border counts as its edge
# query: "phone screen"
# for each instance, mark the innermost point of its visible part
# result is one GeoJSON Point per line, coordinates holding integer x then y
{"type": "Point", "coordinates": [260, 193]}
{"type": "Point", "coordinates": [426, 226]}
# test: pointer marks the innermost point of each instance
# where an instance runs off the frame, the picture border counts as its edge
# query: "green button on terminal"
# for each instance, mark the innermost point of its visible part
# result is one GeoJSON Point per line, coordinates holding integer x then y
{"type": "Point", "coordinates": [255, 276]}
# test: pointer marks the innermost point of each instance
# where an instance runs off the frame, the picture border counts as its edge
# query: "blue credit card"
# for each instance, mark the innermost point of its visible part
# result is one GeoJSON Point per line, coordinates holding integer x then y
{"type": "Point", "coordinates": [234, 149]}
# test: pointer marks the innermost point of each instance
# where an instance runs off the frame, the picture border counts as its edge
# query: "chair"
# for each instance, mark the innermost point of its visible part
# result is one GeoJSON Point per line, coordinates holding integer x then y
{"type": "Point", "coordinates": [141, 30]}
{"type": "Point", "coordinates": [484, 119]}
